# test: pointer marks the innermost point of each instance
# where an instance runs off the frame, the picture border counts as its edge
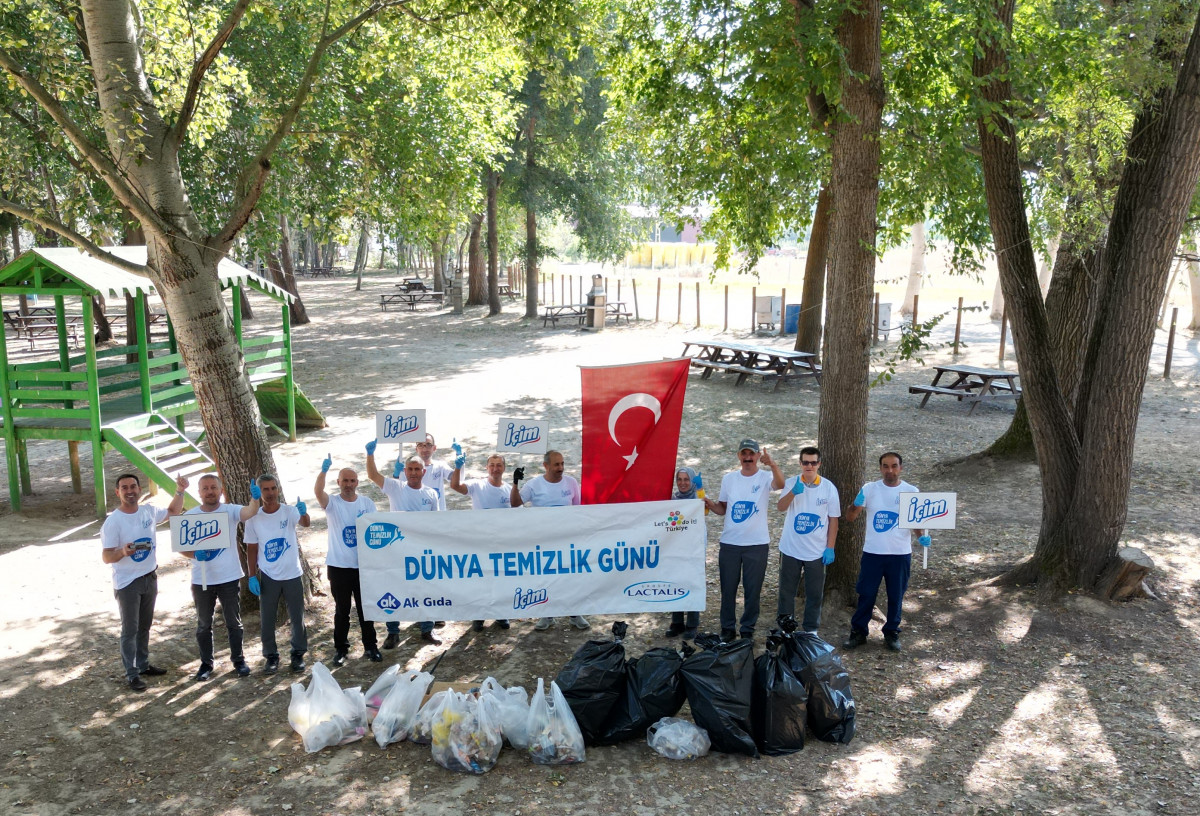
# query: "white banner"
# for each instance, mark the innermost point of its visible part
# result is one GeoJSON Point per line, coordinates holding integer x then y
{"type": "Point", "coordinates": [200, 531]}
{"type": "Point", "coordinates": [533, 562]}
{"type": "Point", "coordinates": [400, 425]}
{"type": "Point", "coordinates": [522, 435]}
{"type": "Point", "coordinates": [928, 511]}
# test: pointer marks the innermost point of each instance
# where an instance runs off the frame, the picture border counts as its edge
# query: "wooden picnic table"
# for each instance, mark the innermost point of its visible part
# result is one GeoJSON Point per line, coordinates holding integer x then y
{"type": "Point", "coordinates": [34, 327]}
{"type": "Point", "coordinates": [565, 312]}
{"type": "Point", "coordinates": [616, 309]}
{"type": "Point", "coordinates": [971, 384]}
{"type": "Point", "coordinates": [410, 299]}
{"type": "Point", "coordinates": [412, 285]}
{"type": "Point", "coordinates": [748, 361]}
{"type": "Point", "coordinates": [507, 290]}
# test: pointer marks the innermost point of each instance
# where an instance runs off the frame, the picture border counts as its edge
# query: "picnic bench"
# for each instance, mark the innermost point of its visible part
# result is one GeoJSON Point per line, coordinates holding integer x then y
{"type": "Point", "coordinates": [616, 309]}
{"type": "Point", "coordinates": [35, 327]}
{"type": "Point", "coordinates": [412, 285]}
{"type": "Point", "coordinates": [564, 311]}
{"type": "Point", "coordinates": [11, 315]}
{"type": "Point", "coordinates": [970, 384]}
{"type": "Point", "coordinates": [747, 361]}
{"type": "Point", "coordinates": [410, 299]}
{"type": "Point", "coordinates": [507, 290]}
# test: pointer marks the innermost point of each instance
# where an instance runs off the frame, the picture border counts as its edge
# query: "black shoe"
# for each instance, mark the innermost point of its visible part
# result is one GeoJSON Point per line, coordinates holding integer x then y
{"type": "Point", "coordinates": [137, 684]}
{"type": "Point", "coordinates": [438, 624]}
{"type": "Point", "coordinates": [374, 655]}
{"type": "Point", "coordinates": [205, 672]}
{"type": "Point", "coordinates": [339, 659]}
{"type": "Point", "coordinates": [477, 626]}
{"type": "Point", "coordinates": [892, 641]}
{"type": "Point", "coordinates": [747, 636]}
{"type": "Point", "coordinates": [728, 636]}
{"type": "Point", "coordinates": [689, 634]}
{"type": "Point", "coordinates": [430, 637]}
{"type": "Point", "coordinates": [855, 640]}
{"type": "Point", "coordinates": [152, 671]}
{"type": "Point", "coordinates": [297, 665]}
{"type": "Point", "coordinates": [272, 665]}
{"type": "Point", "coordinates": [392, 640]}
{"type": "Point", "coordinates": [674, 630]}
{"type": "Point", "coordinates": [504, 624]}
{"type": "Point", "coordinates": [242, 669]}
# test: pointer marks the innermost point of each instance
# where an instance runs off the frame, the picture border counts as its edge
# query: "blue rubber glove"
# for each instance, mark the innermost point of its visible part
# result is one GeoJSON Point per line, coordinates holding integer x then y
{"type": "Point", "coordinates": [457, 447]}
{"type": "Point", "coordinates": [860, 500]}
{"type": "Point", "coordinates": [925, 541]}
{"type": "Point", "coordinates": [698, 482]}
{"type": "Point", "coordinates": [302, 508]}
{"type": "Point", "coordinates": [828, 556]}
{"type": "Point", "coordinates": [397, 468]}
{"type": "Point", "coordinates": [798, 487]}
{"type": "Point", "coordinates": [255, 589]}
{"type": "Point", "coordinates": [255, 492]}
{"type": "Point", "coordinates": [328, 463]}
{"type": "Point", "coordinates": [371, 447]}
{"type": "Point", "coordinates": [459, 461]}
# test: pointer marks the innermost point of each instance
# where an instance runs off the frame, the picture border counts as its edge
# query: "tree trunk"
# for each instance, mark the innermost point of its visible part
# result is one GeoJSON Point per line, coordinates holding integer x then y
{"type": "Point", "coordinates": [477, 294]}
{"type": "Point", "coordinates": [382, 249]}
{"type": "Point", "coordinates": [297, 313]}
{"type": "Point", "coordinates": [812, 299]}
{"type": "Point", "coordinates": [916, 268]}
{"type": "Point", "coordinates": [104, 331]}
{"type": "Point", "coordinates": [493, 242]}
{"type": "Point", "coordinates": [247, 307]}
{"type": "Point", "coordinates": [1193, 267]}
{"type": "Point", "coordinates": [439, 263]}
{"type": "Point", "coordinates": [360, 256]}
{"type": "Point", "coordinates": [855, 188]}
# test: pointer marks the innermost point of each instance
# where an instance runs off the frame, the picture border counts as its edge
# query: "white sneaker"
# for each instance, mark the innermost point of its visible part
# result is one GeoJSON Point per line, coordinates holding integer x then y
{"type": "Point", "coordinates": [543, 624]}
{"type": "Point", "coordinates": [580, 622]}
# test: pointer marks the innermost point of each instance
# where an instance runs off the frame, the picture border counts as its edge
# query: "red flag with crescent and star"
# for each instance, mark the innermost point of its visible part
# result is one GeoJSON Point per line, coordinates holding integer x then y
{"type": "Point", "coordinates": [631, 416]}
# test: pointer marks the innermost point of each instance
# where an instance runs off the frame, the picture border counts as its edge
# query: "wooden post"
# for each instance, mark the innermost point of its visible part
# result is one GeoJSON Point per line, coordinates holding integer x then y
{"type": "Point", "coordinates": [958, 327]}
{"type": "Point", "coordinates": [636, 315]}
{"type": "Point", "coordinates": [143, 351]}
{"type": "Point", "coordinates": [726, 308]}
{"type": "Point", "coordinates": [875, 323]}
{"type": "Point", "coordinates": [916, 301]}
{"type": "Point", "coordinates": [782, 309]}
{"type": "Point", "coordinates": [697, 304]}
{"type": "Point", "coordinates": [679, 306]}
{"type": "Point", "coordinates": [753, 309]}
{"type": "Point", "coordinates": [582, 299]}
{"type": "Point", "coordinates": [76, 474]}
{"type": "Point", "coordinates": [1003, 334]}
{"type": "Point", "coordinates": [543, 286]}
{"type": "Point", "coordinates": [618, 288]}
{"type": "Point", "coordinates": [657, 299]}
{"type": "Point", "coordinates": [1171, 343]}
{"type": "Point", "coordinates": [289, 381]}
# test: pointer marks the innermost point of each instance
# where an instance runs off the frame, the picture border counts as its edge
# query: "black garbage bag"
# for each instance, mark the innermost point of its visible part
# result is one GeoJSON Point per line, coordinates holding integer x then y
{"type": "Point", "coordinates": [800, 648]}
{"type": "Point", "coordinates": [653, 690]}
{"type": "Point", "coordinates": [593, 681]}
{"type": "Point", "coordinates": [830, 703]}
{"type": "Point", "coordinates": [778, 711]}
{"type": "Point", "coordinates": [718, 681]}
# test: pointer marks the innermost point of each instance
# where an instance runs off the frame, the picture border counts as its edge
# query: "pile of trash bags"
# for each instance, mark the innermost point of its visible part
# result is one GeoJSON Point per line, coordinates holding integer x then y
{"type": "Point", "coordinates": [324, 714]}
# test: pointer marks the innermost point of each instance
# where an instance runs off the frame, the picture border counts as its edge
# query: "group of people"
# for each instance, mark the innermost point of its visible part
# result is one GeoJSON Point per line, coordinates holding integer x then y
{"type": "Point", "coordinates": [811, 508]}
{"type": "Point", "coordinates": [418, 483]}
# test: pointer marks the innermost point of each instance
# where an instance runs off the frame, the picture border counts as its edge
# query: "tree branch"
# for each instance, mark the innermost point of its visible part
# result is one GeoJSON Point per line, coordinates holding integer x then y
{"type": "Point", "coordinates": [112, 176]}
{"type": "Point", "coordinates": [188, 109]}
{"type": "Point", "coordinates": [74, 237]}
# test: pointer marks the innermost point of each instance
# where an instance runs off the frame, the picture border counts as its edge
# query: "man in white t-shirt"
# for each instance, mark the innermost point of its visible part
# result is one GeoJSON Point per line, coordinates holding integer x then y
{"type": "Point", "coordinates": [812, 508]}
{"type": "Point", "coordinates": [408, 496]}
{"type": "Point", "coordinates": [554, 488]}
{"type": "Point", "coordinates": [437, 472]}
{"type": "Point", "coordinates": [745, 539]}
{"type": "Point", "coordinates": [217, 576]}
{"type": "Point", "coordinates": [128, 542]}
{"type": "Point", "coordinates": [341, 560]}
{"type": "Point", "coordinates": [486, 494]}
{"type": "Point", "coordinates": [273, 561]}
{"type": "Point", "coordinates": [887, 552]}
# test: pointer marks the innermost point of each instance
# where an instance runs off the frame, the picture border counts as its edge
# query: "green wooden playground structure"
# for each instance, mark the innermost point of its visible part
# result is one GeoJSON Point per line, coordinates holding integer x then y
{"type": "Point", "coordinates": [130, 398]}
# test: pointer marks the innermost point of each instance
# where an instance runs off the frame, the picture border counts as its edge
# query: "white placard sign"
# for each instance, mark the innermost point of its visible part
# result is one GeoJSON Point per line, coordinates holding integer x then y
{"type": "Point", "coordinates": [928, 511]}
{"type": "Point", "coordinates": [200, 531]}
{"type": "Point", "coordinates": [533, 562]}
{"type": "Point", "coordinates": [522, 435]}
{"type": "Point", "coordinates": [400, 425]}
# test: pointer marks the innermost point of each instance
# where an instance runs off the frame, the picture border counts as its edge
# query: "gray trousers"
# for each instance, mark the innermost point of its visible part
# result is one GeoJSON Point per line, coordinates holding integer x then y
{"type": "Point", "coordinates": [231, 610]}
{"type": "Point", "coordinates": [746, 566]}
{"type": "Point", "coordinates": [814, 589]}
{"type": "Point", "coordinates": [292, 591]}
{"type": "Point", "coordinates": [136, 605]}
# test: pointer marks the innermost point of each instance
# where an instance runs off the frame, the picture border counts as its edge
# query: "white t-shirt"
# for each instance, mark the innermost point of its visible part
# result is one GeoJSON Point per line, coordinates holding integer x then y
{"type": "Point", "coordinates": [806, 522]}
{"type": "Point", "coordinates": [401, 497]}
{"type": "Point", "coordinates": [122, 528]}
{"type": "Point", "coordinates": [746, 499]}
{"type": "Point", "coordinates": [437, 473]}
{"type": "Point", "coordinates": [342, 517]}
{"type": "Point", "coordinates": [275, 534]}
{"type": "Point", "coordinates": [486, 496]}
{"type": "Point", "coordinates": [223, 565]}
{"type": "Point", "coordinates": [537, 492]}
{"type": "Point", "coordinates": [884, 534]}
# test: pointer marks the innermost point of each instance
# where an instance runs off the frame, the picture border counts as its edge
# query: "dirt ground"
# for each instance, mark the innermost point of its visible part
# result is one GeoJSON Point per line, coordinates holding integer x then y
{"type": "Point", "coordinates": [996, 705]}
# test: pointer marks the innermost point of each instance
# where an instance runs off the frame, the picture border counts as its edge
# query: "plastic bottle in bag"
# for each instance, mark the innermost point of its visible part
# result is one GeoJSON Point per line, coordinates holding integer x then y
{"type": "Point", "coordinates": [510, 708]}
{"type": "Point", "coordinates": [465, 738]}
{"type": "Point", "coordinates": [396, 715]}
{"type": "Point", "coordinates": [554, 736]}
{"type": "Point", "coordinates": [678, 739]}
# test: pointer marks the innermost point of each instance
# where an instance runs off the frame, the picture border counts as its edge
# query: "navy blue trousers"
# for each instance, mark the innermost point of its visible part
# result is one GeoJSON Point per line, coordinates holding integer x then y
{"type": "Point", "coordinates": [893, 571]}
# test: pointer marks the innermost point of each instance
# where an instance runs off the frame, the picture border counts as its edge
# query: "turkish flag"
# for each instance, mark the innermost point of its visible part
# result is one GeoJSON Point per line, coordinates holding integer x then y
{"type": "Point", "coordinates": [631, 416]}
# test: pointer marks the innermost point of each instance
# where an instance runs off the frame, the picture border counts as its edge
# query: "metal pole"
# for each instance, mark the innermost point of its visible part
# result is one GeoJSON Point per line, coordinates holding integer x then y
{"type": "Point", "coordinates": [1170, 343]}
